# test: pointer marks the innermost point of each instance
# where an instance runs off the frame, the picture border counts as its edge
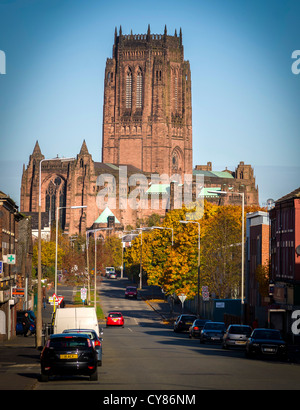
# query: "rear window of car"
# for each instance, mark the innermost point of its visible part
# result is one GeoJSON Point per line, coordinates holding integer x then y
{"type": "Point", "coordinates": [188, 318]}
{"type": "Point", "coordinates": [240, 330]}
{"type": "Point", "coordinates": [212, 326]}
{"type": "Point", "coordinates": [115, 315]}
{"type": "Point", "coordinates": [69, 342]}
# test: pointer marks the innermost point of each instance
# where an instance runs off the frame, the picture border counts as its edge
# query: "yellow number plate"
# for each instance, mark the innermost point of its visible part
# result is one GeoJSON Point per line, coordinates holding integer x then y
{"type": "Point", "coordinates": [68, 356]}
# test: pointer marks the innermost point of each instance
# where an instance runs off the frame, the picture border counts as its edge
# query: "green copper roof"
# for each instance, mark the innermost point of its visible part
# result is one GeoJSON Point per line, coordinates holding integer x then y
{"type": "Point", "coordinates": [205, 192]}
{"type": "Point", "coordinates": [158, 189]}
{"type": "Point", "coordinates": [102, 219]}
{"type": "Point", "coordinates": [219, 174]}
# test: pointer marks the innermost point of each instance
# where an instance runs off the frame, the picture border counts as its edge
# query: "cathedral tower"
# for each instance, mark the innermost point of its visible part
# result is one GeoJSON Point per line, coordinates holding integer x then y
{"type": "Point", "coordinates": [147, 111]}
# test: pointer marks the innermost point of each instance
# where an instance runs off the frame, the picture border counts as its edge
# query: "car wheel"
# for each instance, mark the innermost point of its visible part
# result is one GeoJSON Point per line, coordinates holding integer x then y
{"type": "Point", "coordinates": [44, 378]}
{"type": "Point", "coordinates": [224, 346]}
{"type": "Point", "coordinates": [94, 376]}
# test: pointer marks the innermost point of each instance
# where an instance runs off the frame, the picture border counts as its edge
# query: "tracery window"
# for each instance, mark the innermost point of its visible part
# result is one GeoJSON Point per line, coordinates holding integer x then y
{"type": "Point", "coordinates": [128, 88]}
{"type": "Point", "coordinates": [55, 196]}
{"type": "Point", "coordinates": [139, 89]}
{"type": "Point", "coordinates": [176, 92]}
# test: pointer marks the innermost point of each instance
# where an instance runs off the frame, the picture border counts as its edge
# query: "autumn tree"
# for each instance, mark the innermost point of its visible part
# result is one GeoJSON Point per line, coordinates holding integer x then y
{"type": "Point", "coordinates": [262, 276]}
{"type": "Point", "coordinates": [174, 268]}
{"type": "Point", "coordinates": [48, 249]}
{"type": "Point", "coordinates": [221, 251]}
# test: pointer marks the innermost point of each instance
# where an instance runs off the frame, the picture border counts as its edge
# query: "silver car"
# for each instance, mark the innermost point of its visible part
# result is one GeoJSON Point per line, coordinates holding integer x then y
{"type": "Point", "coordinates": [236, 336]}
{"type": "Point", "coordinates": [96, 340]}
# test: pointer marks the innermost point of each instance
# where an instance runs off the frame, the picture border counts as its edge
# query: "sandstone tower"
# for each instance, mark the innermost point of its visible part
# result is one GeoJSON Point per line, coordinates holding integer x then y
{"type": "Point", "coordinates": [147, 111]}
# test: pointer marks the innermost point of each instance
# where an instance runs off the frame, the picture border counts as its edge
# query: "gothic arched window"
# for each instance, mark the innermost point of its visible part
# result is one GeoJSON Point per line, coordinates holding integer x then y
{"type": "Point", "coordinates": [128, 88]}
{"type": "Point", "coordinates": [139, 89]}
{"type": "Point", "coordinates": [176, 91]}
{"type": "Point", "coordinates": [55, 196]}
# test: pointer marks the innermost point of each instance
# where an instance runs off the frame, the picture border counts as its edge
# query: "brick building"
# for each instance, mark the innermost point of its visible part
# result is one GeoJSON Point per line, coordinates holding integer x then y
{"type": "Point", "coordinates": [147, 112]}
{"type": "Point", "coordinates": [285, 258]}
{"type": "Point", "coordinates": [147, 128]}
{"type": "Point", "coordinates": [240, 180]}
{"type": "Point", "coordinates": [257, 253]}
{"type": "Point", "coordinates": [15, 261]}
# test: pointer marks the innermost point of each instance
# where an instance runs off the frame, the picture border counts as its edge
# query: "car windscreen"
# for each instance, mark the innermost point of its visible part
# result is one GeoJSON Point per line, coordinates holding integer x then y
{"type": "Point", "coordinates": [69, 342]}
{"type": "Point", "coordinates": [266, 334]}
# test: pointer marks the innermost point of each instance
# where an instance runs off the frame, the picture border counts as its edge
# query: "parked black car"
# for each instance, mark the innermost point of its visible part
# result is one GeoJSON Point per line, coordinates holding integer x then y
{"type": "Point", "coordinates": [266, 342]}
{"type": "Point", "coordinates": [69, 354]}
{"type": "Point", "coordinates": [197, 326]}
{"type": "Point", "coordinates": [96, 340]}
{"type": "Point", "coordinates": [212, 332]}
{"type": "Point", "coordinates": [184, 322]}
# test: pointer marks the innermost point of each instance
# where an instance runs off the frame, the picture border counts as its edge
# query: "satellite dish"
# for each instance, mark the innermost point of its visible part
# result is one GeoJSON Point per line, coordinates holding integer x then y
{"type": "Point", "coordinates": [298, 250]}
{"type": "Point", "coordinates": [270, 203]}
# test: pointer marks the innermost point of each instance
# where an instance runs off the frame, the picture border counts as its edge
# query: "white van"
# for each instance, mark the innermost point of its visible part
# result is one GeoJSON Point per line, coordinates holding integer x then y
{"type": "Point", "coordinates": [109, 270]}
{"type": "Point", "coordinates": [76, 318]}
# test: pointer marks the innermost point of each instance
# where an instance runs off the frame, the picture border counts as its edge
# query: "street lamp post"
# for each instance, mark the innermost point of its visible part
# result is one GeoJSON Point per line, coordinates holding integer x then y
{"type": "Point", "coordinates": [95, 273]}
{"type": "Point", "coordinates": [39, 290]}
{"type": "Point", "coordinates": [198, 264]}
{"type": "Point", "coordinates": [141, 262]}
{"type": "Point", "coordinates": [243, 239]}
{"type": "Point", "coordinates": [56, 239]}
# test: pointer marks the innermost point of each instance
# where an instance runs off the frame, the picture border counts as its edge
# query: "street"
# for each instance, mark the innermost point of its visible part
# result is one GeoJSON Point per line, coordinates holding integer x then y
{"type": "Point", "coordinates": [147, 355]}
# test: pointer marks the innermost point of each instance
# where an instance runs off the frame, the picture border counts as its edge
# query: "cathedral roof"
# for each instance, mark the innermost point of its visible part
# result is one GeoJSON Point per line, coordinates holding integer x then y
{"type": "Point", "coordinates": [101, 167]}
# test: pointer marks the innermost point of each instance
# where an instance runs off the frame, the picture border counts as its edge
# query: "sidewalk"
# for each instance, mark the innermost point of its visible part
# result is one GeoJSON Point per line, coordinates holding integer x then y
{"type": "Point", "coordinates": [29, 341]}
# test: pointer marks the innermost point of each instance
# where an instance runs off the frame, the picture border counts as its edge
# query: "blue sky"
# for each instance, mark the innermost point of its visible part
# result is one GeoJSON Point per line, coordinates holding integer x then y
{"type": "Point", "coordinates": [246, 100]}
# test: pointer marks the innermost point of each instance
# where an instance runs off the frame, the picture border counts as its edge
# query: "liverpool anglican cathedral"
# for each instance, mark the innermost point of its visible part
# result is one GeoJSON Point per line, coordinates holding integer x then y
{"type": "Point", "coordinates": [147, 147]}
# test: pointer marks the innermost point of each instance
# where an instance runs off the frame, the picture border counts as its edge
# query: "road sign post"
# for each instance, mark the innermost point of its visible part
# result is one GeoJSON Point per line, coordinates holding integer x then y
{"type": "Point", "coordinates": [55, 300]}
{"type": "Point", "coordinates": [182, 298]}
{"type": "Point", "coordinates": [83, 293]}
{"type": "Point", "coordinates": [205, 293]}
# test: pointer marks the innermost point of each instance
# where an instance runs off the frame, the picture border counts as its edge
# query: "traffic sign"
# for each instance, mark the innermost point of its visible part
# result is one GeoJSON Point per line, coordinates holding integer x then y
{"type": "Point", "coordinates": [182, 297]}
{"type": "Point", "coordinates": [83, 294]}
{"type": "Point", "coordinates": [1, 267]}
{"type": "Point", "coordinates": [205, 293]}
{"type": "Point", "coordinates": [18, 292]}
{"type": "Point", "coordinates": [55, 299]}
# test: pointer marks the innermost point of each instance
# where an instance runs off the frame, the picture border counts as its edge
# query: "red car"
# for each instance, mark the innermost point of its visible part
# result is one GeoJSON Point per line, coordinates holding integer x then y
{"type": "Point", "coordinates": [115, 319]}
{"type": "Point", "coordinates": [131, 292]}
